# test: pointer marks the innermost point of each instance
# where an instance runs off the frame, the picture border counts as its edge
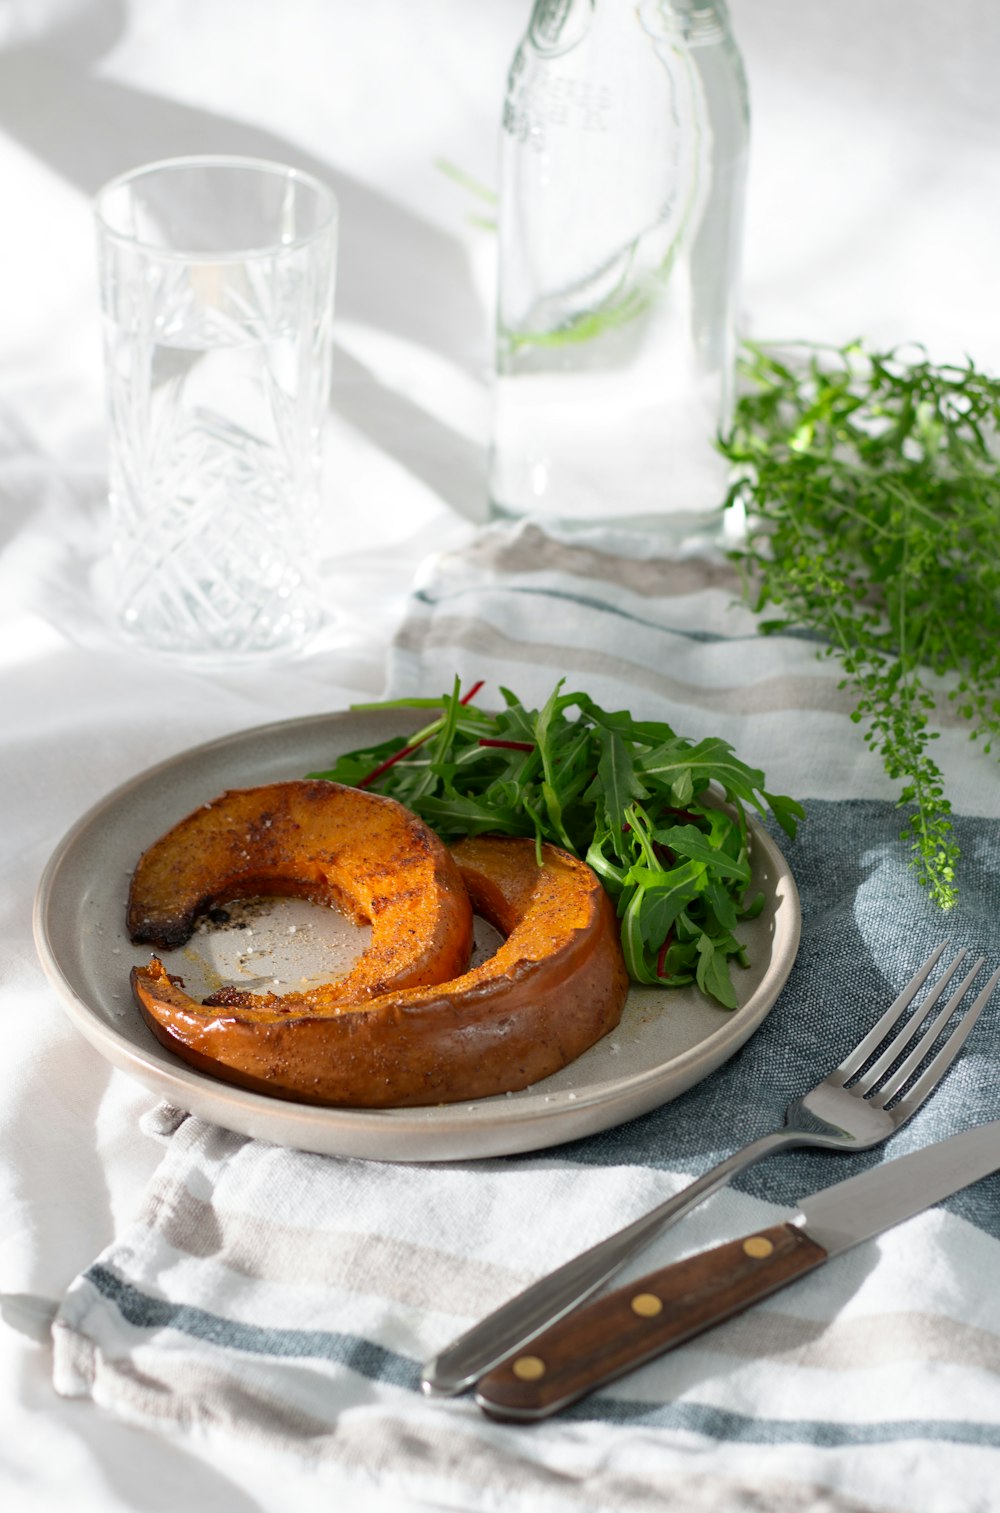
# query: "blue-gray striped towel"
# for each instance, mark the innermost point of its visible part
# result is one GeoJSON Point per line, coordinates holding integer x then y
{"type": "Point", "coordinates": [277, 1304]}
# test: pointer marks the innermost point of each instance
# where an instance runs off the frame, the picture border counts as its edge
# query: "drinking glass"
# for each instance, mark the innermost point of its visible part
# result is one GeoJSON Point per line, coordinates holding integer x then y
{"type": "Point", "coordinates": [217, 279]}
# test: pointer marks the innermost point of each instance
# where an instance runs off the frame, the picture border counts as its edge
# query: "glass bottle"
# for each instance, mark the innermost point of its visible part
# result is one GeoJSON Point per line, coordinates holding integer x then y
{"type": "Point", "coordinates": [624, 149]}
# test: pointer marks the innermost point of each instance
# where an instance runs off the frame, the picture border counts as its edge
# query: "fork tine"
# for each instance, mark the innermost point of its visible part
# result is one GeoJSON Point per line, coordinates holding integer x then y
{"type": "Point", "coordinates": [857, 1058]}
{"type": "Point", "coordinates": [892, 1052]}
{"type": "Point", "coordinates": [906, 1068]}
{"type": "Point", "coordinates": [944, 1058]}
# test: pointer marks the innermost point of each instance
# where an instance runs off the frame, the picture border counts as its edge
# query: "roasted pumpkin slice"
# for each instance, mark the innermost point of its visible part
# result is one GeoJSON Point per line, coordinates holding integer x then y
{"type": "Point", "coordinates": [555, 985]}
{"type": "Point", "coordinates": [322, 841]}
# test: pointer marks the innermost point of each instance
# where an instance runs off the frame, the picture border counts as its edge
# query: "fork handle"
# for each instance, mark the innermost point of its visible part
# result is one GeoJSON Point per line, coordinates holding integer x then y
{"type": "Point", "coordinates": [516, 1322]}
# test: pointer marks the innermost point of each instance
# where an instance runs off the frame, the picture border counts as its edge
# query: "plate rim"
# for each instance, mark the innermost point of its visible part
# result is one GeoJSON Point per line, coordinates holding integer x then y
{"type": "Point", "coordinates": [191, 1085]}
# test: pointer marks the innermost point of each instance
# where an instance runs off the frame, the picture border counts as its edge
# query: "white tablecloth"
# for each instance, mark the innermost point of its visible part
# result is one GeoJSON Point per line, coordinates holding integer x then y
{"type": "Point", "coordinates": [873, 210]}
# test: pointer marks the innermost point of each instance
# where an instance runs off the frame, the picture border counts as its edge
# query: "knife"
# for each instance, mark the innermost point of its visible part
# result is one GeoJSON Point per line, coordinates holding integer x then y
{"type": "Point", "coordinates": [603, 1340]}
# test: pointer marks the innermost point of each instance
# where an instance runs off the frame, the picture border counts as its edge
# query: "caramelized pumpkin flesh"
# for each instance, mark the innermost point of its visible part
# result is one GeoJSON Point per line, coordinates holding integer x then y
{"type": "Point", "coordinates": [555, 985]}
{"type": "Point", "coordinates": [322, 841]}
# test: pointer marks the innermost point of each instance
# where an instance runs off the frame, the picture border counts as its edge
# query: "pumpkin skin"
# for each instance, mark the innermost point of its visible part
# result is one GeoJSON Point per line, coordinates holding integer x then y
{"type": "Point", "coordinates": [555, 985]}
{"type": "Point", "coordinates": [322, 841]}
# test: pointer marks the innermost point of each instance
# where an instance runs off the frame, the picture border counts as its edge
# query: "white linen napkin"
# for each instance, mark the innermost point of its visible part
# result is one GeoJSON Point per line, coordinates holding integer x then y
{"type": "Point", "coordinates": [279, 1304]}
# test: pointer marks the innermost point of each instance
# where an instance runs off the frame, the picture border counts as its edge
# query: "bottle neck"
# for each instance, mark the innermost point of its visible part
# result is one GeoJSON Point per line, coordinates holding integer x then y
{"type": "Point", "coordinates": [699, 23]}
{"type": "Point", "coordinates": [558, 25]}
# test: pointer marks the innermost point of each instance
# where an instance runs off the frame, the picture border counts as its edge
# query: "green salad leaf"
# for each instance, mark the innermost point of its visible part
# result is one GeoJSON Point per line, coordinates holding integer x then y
{"type": "Point", "coordinates": [632, 798]}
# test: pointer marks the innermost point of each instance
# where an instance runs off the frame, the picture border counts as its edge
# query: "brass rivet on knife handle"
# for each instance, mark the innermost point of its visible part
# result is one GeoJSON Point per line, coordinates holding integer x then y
{"type": "Point", "coordinates": [528, 1368]}
{"type": "Point", "coordinates": [600, 1341]}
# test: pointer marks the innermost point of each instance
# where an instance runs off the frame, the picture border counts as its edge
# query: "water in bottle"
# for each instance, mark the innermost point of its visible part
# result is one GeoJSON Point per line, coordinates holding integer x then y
{"type": "Point", "coordinates": [623, 164]}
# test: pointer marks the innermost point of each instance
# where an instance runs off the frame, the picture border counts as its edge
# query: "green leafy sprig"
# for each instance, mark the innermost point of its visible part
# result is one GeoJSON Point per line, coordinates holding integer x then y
{"type": "Point", "coordinates": [636, 801]}
{"type": "Point", "coordinates": [873, 496]}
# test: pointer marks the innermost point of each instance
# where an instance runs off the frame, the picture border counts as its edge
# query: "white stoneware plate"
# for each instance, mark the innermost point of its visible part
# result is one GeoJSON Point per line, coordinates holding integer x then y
{"type": "Point", "coordinates": [667, 1041]}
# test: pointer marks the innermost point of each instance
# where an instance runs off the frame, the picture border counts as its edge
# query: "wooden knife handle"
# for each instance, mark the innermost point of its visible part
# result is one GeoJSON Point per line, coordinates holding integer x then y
{"type": "Point", "coordinates": [603, 1340]}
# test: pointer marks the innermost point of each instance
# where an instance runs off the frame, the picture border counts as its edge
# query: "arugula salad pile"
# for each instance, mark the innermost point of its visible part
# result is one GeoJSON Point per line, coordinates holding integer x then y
{"type": "Point", "coordinates": [636, 801]}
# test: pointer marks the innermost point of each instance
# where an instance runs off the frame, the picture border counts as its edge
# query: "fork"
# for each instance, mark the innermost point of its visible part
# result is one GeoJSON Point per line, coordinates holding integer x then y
{"type": "Point", "coordinates": [863, 1101]}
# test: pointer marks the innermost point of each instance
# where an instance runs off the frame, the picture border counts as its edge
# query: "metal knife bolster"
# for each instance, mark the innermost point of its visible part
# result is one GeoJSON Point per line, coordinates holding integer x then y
{"type": "Point", "coordinates": [603, 1340]}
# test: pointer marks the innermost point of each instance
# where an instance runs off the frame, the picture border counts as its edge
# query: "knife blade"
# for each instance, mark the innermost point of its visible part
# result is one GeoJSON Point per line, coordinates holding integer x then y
{"type": "Point", "coordinates": [603, 1340]}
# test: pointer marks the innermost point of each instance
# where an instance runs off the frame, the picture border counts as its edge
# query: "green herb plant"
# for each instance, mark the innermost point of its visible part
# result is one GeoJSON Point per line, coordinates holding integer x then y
{"type": "Point", "coordinates": [636, 801]}
{"type": "Point", "coordinates": [872, 492]}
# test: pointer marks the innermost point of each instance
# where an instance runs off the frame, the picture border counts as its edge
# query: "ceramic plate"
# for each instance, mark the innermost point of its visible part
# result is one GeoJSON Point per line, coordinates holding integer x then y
{"type": "Point", "coordinates": [667, 1040]}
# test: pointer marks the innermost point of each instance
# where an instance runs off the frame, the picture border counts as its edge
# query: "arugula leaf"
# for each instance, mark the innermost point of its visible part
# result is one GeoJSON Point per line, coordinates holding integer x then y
{"type": "Point", "coordinates": [635, 800]}
{"type": "Point", "coordinates": [689, 841]}
{"type": "Point", "coordinates": [710, 761]}
{"type": "Point", "coordinates": [712, 972]}
{"type": "Point", "coordinates": [664, 897]}
{"type": "Point", "coordinates": [618, 779]}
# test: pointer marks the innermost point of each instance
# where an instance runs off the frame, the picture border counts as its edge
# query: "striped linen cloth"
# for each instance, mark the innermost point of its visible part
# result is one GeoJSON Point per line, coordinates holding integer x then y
{"type": "Point", "coordinates": [277, 1305]}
